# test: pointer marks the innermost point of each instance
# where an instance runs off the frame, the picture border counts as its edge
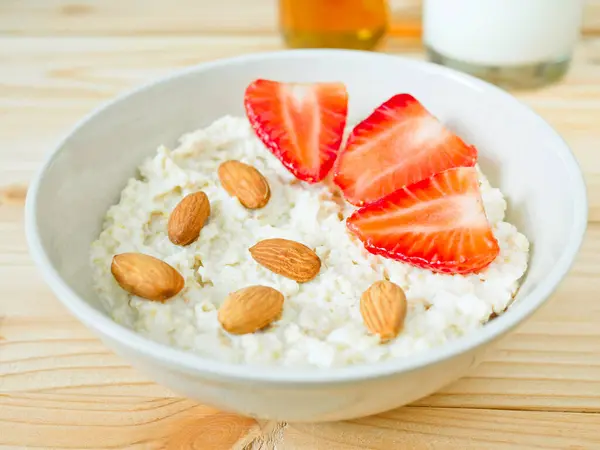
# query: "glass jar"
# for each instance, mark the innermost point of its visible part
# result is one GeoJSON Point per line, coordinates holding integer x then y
{"type": "Point", "coordinates": [354, 24]}
{"type": "Point", "coordinates": [512, 43]}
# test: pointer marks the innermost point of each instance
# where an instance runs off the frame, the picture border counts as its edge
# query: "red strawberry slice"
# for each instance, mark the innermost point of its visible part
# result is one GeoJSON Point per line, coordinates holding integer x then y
{"type": "Point", "coordinates": [399, 144]}
{"type": "Point", "coordinates": [438, 223]}
{"type": "Point", "coordinates": [301, 124]}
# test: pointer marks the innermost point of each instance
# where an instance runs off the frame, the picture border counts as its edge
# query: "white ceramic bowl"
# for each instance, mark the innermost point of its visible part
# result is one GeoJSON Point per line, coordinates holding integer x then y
{"type": "Point", "coordinates": [88, 169]}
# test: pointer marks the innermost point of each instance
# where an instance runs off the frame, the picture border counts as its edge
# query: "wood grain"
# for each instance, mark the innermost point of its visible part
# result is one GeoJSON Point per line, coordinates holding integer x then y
{"type": "Point", "coordinates": [441, 428]}
{"type": "Point", "coordinates": [136, 17]}
{"type": "Point", "coordinates": [121, 422]}
{"type": "Point", "coordinates": [184, 17]}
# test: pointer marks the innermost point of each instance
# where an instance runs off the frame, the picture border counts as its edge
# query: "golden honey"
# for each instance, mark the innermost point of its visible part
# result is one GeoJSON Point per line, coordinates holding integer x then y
{"type": "Point", "coordinates": [354, 24]}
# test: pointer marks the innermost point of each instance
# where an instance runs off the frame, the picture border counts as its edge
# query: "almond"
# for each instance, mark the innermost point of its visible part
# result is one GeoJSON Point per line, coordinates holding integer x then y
{"type": "Point", "coordinates": [188, 218]}
{"type": "Point", "coordinates": [146, 276]}
{"type": "Point", "coordinates": [250, 309]}
{"type": "Point", "coordinates": [383, 308]}
{"type": "Point", "coordinates": [246, 183]}
{"type": "Point", "coordinates": [288, 258]}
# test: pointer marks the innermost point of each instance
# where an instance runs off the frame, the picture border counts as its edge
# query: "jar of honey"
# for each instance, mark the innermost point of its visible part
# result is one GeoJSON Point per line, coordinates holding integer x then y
{"type": "Point", "coordinates": [354, 24]}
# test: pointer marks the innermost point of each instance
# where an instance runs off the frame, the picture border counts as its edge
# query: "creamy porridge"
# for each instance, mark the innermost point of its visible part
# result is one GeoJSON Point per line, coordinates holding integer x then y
{"type": "Point", "coordinates": [321, 323]}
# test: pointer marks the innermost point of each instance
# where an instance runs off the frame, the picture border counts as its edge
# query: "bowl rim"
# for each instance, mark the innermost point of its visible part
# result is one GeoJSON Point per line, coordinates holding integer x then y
{"type": "Point", "coordinates": [193, 363]}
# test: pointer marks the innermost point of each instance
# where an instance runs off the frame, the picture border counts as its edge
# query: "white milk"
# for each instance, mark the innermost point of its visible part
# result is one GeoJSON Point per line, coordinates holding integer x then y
{"type": "Point", "coordinates": [502, 32]}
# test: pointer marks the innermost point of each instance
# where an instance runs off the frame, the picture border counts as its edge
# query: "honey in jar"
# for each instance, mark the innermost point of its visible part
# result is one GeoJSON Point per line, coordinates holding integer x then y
{"type": "Point", "coordinates": [354, 24]}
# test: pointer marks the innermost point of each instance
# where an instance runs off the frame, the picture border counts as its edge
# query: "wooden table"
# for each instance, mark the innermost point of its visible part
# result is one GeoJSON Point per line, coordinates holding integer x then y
{"type": "Point", "coordinates": [61, 388]}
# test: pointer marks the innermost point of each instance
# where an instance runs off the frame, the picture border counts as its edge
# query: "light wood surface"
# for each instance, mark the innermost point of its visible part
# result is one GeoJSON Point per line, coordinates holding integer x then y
{"type": "Point", "coordinates": [61, 388]}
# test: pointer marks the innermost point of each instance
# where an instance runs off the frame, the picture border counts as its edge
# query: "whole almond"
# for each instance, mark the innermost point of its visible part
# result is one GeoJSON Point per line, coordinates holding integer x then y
{"type": "Point", "coordinates": [188, 218]}
{"type": "Point", "coordinates": [246, 183]}
{"type": "Point", "coordinates": [288, 258]}
{"type": "Point", "coordinates": [250, 309]}
{"type": "Point", "coordinates": [146, 276]}
{"type": "Point", "coordinates": [383, 308]}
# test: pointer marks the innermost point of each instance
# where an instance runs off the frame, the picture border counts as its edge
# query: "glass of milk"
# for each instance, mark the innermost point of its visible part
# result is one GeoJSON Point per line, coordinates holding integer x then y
{"type": "Point", "coordinates": [512, 43]}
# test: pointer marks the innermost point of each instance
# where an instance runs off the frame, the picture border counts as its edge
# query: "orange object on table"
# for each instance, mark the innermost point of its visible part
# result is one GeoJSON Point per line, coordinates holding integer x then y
{"type": "Point", "coordinates": [356, 24]}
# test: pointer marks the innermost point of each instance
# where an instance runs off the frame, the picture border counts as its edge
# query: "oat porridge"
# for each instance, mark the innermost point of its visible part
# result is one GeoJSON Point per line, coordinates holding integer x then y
{"type": "Point", "coordinates": [313, 317]}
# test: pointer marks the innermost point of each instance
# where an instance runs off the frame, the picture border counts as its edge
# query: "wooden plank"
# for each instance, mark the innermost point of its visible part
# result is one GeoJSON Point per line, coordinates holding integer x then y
{"type": "Point", "coordinates": [32, 420]}
{"type": "Point", "coordinates": [133, 422]}
{"type": "Point", "coordinates": [136, 17]}
{"type": "Point", "coordinates": [184, 17]}
{"type": "Point", "coordinates": [442, 428]}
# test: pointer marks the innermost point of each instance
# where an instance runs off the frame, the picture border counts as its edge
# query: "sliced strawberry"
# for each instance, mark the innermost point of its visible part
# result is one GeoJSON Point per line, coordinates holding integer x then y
{"type": "Point", "coordinates": [438, 223]}
{"type": "Point", "coordinates": [301, 124]}
{"type": "Point", "coordinates": [399, 144]}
